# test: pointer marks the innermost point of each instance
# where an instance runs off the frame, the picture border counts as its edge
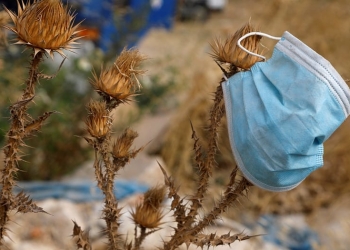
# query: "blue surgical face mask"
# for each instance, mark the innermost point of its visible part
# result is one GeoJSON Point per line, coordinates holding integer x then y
{"type": "Point", "coordinates": [280, 113]}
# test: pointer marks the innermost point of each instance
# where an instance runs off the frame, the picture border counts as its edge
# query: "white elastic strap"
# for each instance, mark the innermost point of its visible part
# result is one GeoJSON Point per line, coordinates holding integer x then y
{"type": "Point", "coordinates": [255, 34]}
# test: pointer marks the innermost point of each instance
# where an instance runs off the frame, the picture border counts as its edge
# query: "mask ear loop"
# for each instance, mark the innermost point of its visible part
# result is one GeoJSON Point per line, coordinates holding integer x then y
{"type": "Point", "coordinates": [255, 34]}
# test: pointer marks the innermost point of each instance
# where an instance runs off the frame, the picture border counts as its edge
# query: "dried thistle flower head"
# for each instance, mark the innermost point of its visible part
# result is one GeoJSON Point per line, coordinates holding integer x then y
{"type": "Point", "coordinates": [44, 25]}
{"type": "Point", "coordinates": [120, 80]}
{"type": "Point", "coordinates": [122, 147]}
{"type": "Point", "coordinates": [154, 197]}
{"type": "Point", "coordinates": [149, 213]}
{"type": "Point", "coordinates": [227, 51]}
{"type": "Point", "coordinates": [98, 120]}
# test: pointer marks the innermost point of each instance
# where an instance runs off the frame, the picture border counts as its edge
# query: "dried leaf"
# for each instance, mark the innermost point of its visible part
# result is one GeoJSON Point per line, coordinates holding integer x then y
{"type": "Point", "coordinates": [89, 140]}
{"type": "Point", "coordinates": [21, 103]}
{"type": "Point", "coordinates": [82, 238]}
{"type": "Point", "coordinates": [35, 125]}
{"type": "Point", "coordinates": [47, 77]}
{"type": "Point", "coordinates": [214, 240]}
{"type": "Point", "coordinates": [23, 204]}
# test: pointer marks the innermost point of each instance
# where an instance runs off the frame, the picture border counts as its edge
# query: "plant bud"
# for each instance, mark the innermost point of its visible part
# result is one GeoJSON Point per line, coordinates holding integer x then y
{"type": "Point", "coordinates": [122, 147]}
{"type": "Point", "coordinates": [98, 120]}
{"type": "Point", "coordinates": [120, 80]}
{"type": "Point", "coordinates": [149, 214]}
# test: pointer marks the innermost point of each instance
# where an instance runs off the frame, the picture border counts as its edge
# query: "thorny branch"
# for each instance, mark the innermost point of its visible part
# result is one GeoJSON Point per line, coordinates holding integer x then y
{"type": "Point", "coordinates": [22, 125]}
{"type": "Point", "coordinates": [188, 224]}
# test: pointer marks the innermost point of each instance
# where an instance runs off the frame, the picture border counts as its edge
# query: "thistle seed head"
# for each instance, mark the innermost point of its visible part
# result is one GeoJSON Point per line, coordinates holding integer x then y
{"type": "Point", "coordinates": [122, 147]}
{"type": "Point", "coordinates": [120, 81]}
{"type": "Point", "coordinates": [154, 197]}
{"type": "Point", "coordinates": [227, 51]}
{"type": "Point", "coordinates": [98, 120]}
{"type": "Point", "coordinates": [149, 214]}
{"type": "Point", "coordinates": [44, 25]}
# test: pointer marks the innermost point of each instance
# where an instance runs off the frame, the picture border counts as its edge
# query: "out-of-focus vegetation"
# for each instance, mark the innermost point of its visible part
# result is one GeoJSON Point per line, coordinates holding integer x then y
{"type": "Point", "coordinates": [60, 145]}
{"type": "Point", "coordinates": [58, 149]}
{"type": "Point", "coordinates": [157, 94]}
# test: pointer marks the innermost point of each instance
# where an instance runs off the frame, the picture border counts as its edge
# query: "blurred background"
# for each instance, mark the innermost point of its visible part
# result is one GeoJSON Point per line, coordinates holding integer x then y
{"type": "Point", "coordinates": [181, 77]}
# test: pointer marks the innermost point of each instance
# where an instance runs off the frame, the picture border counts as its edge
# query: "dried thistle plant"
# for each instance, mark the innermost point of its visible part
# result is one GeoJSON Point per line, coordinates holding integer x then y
{"type": "Point", "coordinates": [115, 84]}
{"type": "Point", "coordinates": [45, 27]}
{"type": "Point", "coordinates": [189, 224]}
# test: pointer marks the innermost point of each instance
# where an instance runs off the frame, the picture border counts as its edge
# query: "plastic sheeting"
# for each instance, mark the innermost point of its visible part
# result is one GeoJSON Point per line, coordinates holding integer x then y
{"type": "Point", "coordinates": [77, 191]}
{"type": "Point", "coordinates": [288, 232]}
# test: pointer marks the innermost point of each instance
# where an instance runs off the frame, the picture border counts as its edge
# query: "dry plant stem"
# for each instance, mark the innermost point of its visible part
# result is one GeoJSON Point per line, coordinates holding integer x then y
{"type": "Point", "coordinates": [106, 183]}
{"type": "Point", "coordinates": [216, 114]}
{"type": "Point", "coordinates": [106, 169]}
{"type": "Point", "coordinates": [186, 227]}
{"type": "Point", "coordinates": [232, 192]}
{"type": "Point", "coordinates": [140, 239]}
{"type": "Point", "coordinates": [205, 167]}
{"type": "Point", "coordinates": [177, 203]}
{"type": "Point", "coordinates": [230, 196]}
{"type": "Point", "coordinates": [15, 136]}
{"type": "Point", "coordinates": [98, 171]}
{"type": "Point", "coordinates": [109, 172]}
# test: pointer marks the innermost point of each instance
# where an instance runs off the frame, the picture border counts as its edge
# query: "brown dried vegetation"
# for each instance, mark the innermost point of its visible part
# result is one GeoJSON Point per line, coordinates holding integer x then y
{"type": "Point", "coordinates": [22, 125]}
{"type": "Point", "coordinates": [119, 82]}
{"type": "Point", "coordinates": [109, 158]}
{"type": "Point", "coordinates": [227, 50]}
{"type": "Point", "coordinates": [116, 85]}
{"type": "Point", "coordinates": [45, 26]}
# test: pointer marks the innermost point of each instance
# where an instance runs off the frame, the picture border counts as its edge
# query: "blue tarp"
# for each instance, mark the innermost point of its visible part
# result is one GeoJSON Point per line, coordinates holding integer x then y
{"type": "Point", "coordinates": [77, 191]}
{"type": "Point", "coordinates": [288, 236]}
